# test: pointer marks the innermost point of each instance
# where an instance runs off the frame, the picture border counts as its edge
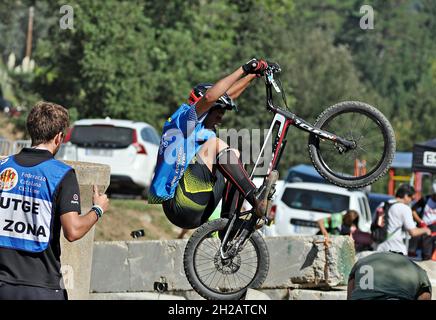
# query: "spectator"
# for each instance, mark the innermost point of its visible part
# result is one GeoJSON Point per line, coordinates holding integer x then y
{"type": "Point", "coordinates": [424, 213]}
{"type": "Point", "coordinates": [415, 243]}
{"type": "Point", "coordinates": [38, 196]}
{"type": "Point", "coordinates": [388, 276]}
{"type": "Point", "coordinates": [338, 223]}
{"type": "Point", "coordinates": [424, 243]}
{"type": "Point", "coordinates": [400, 221]}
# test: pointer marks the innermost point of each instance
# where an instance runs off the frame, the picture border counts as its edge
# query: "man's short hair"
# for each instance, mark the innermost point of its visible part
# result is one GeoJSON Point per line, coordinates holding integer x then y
{"type": "Point", "coordinates": [45, 121]}
{"type": "Point", "coordinates": [403, 190]}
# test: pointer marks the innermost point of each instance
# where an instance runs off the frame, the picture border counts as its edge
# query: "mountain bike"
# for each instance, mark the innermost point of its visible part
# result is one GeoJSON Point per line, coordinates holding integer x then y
{"type": "Point", "coordinates": [351, 145]}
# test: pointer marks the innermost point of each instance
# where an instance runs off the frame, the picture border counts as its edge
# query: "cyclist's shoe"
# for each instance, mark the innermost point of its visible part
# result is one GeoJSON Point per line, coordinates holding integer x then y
{"type": "Point", "coordinates": [263, 195]}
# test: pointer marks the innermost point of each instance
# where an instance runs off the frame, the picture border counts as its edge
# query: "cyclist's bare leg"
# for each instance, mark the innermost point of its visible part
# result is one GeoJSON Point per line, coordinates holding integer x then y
{"type": "Point", "coordinates": [217, 155]}
{"type": "Point", "coordinates": [209, 151]}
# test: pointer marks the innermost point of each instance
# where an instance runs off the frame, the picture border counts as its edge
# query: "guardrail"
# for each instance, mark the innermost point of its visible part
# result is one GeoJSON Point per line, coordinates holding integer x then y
{"type": "Point", "coordinates": [8, 147]}
{"type": "Point", "coordinates": [5, 147]}
{"type": "Point", "coordinates": [67, 151]}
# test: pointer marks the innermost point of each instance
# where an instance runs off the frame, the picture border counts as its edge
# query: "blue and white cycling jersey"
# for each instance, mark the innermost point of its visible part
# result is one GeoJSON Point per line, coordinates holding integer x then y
{"type": "Point", "coordinates": [26, 202]}
{"type": "Point", "coordinates": [182, 137]}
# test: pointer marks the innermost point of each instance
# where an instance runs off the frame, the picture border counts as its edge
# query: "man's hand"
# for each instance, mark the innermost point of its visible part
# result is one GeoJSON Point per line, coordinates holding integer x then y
{"type": "Point", "coordinates": [327, 241]}
{"type": "Point", "coordinates": [255, 66]}
{"type": "Point", "coordinates": [100, 199]}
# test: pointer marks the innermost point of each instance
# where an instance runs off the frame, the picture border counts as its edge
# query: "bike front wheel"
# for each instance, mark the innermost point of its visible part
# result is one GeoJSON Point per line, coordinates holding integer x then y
{"type": "Point", "coordinates": [372, 135]}
{"type": "Point", "coordinates": [215, 278]}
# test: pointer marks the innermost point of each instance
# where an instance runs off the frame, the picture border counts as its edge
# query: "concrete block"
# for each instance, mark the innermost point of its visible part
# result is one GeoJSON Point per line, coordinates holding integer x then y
{"type": "Point", "coordinates": [294, 261]}
{"type": "Point", "coordinates": [256, 295]}
{"type": "Point", "coordinates": [133, 296]}
{"type": "Point", "coordinates": [187, 294]}
{"type": "Point", "coordinates": [305, 294]}
{"type": "Point", "coordinates": [151, 261]}
{"type": "Point", "coordinates": [276, 294]}
{"type": "Point", "coordinates": [76, 257]}
{"type": "Point", "coordinates": [110, 271]}
{"type": "Point", "coordinates": [303, 261]}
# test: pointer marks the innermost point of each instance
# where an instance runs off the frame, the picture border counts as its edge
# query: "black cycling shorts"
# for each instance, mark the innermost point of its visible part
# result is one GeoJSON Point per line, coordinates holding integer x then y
{"type": "Point", "coordinates": [196, 197]}
{"type": "Point", "coordinates": [22, 292]}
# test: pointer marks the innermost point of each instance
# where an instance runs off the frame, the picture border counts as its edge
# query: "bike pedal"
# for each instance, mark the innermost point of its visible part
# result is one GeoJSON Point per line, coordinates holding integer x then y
{"type": "Point", "coordinates": [262, 221]}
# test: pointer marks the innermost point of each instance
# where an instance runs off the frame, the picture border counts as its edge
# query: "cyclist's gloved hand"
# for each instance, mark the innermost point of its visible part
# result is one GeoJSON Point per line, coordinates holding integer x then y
{"type": "Point", "coordinates": [255, 66]}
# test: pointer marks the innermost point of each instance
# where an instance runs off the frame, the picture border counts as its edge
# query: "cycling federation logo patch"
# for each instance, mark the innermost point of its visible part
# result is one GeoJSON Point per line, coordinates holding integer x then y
{"type": "Point", "coordinates": [8, 179]}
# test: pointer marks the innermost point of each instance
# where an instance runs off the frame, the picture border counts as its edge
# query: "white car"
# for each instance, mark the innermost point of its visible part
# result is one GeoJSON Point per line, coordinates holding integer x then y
{"type": "Point", "coordinates": [128, 147]}
{"type": "Point", "coordinates": [298, 206]}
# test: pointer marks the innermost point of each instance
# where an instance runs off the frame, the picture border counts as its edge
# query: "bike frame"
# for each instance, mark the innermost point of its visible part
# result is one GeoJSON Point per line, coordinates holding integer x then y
{"type": "Point", "coordinates": [283, 119]}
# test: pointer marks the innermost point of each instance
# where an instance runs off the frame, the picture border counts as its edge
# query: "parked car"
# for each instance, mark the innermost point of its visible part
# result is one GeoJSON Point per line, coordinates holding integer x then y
{"type": "Point", "coordinates": [375, 199]}
{"type": "Point", "coordinates": [299, 205]}
{"type": "Point", "coordinates": [128, 147]}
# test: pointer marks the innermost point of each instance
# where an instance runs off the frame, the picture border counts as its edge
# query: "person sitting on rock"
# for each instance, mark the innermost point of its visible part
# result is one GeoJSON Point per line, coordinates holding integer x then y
{"type": "Point", "coordinates": [338, 224]}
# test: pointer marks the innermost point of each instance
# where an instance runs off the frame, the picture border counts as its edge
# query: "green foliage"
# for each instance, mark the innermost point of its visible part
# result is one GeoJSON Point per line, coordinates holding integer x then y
{"type": "Point", "coordinates": [139, 59]}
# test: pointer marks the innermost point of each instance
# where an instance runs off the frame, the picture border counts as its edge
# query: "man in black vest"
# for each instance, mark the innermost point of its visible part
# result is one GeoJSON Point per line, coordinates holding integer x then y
{"type": "Point", "coordinates": [38, 196]}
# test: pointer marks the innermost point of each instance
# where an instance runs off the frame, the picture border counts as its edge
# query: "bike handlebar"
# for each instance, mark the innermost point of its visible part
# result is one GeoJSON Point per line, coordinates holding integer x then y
{"type": "Point", "coordinates": [273, 67]}
{"type": "Point", "coordinates": [270, 82]}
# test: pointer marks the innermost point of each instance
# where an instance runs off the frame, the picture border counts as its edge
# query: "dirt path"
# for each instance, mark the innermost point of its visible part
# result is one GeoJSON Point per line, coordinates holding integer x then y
{"type": "Point", "coordinates": [126, 216]}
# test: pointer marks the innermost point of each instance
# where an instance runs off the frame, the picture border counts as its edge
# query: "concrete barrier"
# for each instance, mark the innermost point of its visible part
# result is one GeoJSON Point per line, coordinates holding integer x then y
{"type": "Point", "coordinates": [300, 269]}
{"type": "Point", "coordinates": [307, 294]}
{"type": "Point", "coordinates": [304, 261]}
{"type": "Point", "coordinates": [133, 296]}
{"type": "Point", "coordinates": [134, 266]}
{"type": "Point", "coordinates": [76, 257]}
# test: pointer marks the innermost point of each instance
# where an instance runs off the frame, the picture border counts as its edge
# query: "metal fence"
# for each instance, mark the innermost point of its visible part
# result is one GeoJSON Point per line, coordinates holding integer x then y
{"type": "Point", "coordinates": [67, 151]}
{"type": "Point", "coordinates": [8, 147]}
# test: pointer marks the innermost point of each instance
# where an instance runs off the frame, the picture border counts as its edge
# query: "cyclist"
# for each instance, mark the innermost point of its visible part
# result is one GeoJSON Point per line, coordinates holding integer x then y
{"type": "Point", "coordinates": [193, 163]}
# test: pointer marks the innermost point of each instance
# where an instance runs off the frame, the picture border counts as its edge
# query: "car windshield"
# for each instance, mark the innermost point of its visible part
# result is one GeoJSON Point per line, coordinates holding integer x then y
{"type": "Point", "coordinates": [313, 200]}
{"type": "Point", "coordinates": [102, 136]}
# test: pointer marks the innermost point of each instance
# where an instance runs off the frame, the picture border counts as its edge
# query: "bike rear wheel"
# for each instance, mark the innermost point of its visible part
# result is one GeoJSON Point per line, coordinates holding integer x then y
{"type": "Point", "coordinates": [217, 279]}
{"type": "Point", "coordinates": [374, 138]}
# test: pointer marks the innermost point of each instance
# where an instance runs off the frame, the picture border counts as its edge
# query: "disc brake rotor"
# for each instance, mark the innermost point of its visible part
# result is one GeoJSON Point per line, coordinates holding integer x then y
{"type": "Point", "coordinates": [227, 266]}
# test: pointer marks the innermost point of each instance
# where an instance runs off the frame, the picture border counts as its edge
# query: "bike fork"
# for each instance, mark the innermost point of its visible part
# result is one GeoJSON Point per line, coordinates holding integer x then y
{"type": "Point", "coordinates": [242, 235]}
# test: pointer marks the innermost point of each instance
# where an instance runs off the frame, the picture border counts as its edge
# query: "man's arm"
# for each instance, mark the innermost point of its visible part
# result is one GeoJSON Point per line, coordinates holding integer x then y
{"type": "Point", "coordinates": [416, 217]}
{"type": "Point", "coordinates": [239, 86]}
{"type": "Point", "coordinates": [75, 226]}
{"type": "Point", "coordinates": [416, 232]}
{"type": "Point", "coordinates": [216, 91]}
{"type": "Point", "coordinates": [420, 204]}
{"type": "Point", "coordinates": [410, 226]}
{"type": "Point", "coordinates": [322, 227]}
{"type": "Point", "coordinates": [253, 66]}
